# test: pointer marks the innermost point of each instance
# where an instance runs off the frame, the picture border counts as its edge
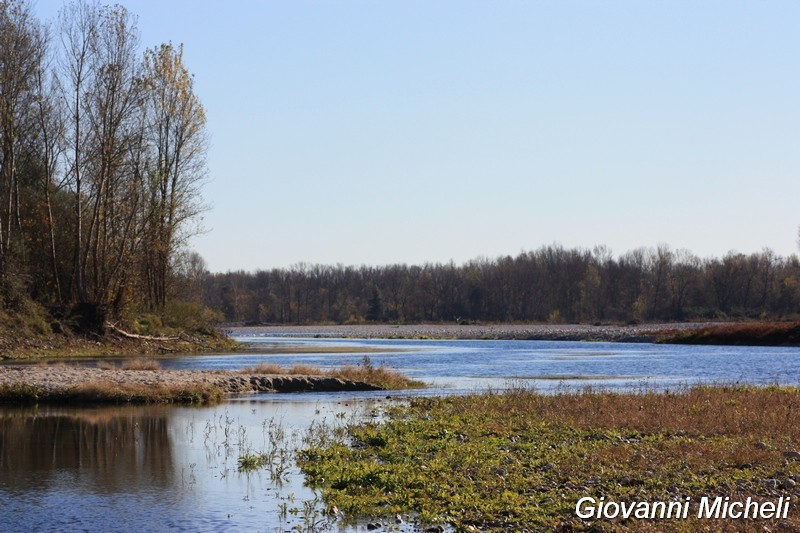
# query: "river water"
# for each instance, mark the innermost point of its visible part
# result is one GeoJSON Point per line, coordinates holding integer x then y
{"type": "Point", "coordinates": [166, 468]}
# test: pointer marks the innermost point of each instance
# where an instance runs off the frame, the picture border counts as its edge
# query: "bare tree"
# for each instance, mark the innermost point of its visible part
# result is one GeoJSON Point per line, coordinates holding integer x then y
{"type": "Point", "coordinates": [78, 23]}
{"type": "Point", "coordinates": [21, 43]}
{"type": "Point", "coordinates": [178, 162]}
{"type": "Point", "coordinates": [113, 192]}
{"type": "Point", "coordinates": [50, 133]}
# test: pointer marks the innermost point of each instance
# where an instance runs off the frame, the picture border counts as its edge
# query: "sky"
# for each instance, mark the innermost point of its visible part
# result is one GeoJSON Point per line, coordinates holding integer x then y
{"type": "Point", "coordinates": [381, 132]}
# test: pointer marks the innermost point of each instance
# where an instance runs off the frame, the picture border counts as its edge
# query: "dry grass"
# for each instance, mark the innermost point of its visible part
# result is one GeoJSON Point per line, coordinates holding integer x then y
{"type": "Point", "coordinates": [743, 334]}
{"type": "Point", "coordinates": [106, 365]}
{"type": "Point", "coordinates": [723, 410]}
{"type": "Point", "coordinates": [94, 392]}
{"type": "Point", "coordinates": [365, 372]}
{"type": "Point", "coordinates": [141, 364]}
{"type": "Point", "coordinates": [376, 375]}
{"type": "Point", "coordinates": [294, 370]}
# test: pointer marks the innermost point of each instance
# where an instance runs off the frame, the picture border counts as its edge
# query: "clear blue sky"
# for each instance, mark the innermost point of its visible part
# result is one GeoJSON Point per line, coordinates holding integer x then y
{"type": "Point", "coordinates": [381, 132]}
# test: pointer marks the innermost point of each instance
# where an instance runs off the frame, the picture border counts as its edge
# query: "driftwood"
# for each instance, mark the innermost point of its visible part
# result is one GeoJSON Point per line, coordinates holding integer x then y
{"type": "Point", "coordinates": [139, 337]}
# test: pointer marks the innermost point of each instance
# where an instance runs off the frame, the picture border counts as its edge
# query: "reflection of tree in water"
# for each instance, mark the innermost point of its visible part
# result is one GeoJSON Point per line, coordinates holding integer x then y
{"type": "Point", "coordinates": [110, 449]}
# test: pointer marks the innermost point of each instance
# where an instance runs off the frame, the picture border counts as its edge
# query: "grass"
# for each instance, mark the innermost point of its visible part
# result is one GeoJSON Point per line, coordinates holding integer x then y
{"type": "Point", "coordinates": [519, 460]}
{"type": "Point", "coordinates": [365, 372]}
{"type": "Point", "coordinates": [97, 392]}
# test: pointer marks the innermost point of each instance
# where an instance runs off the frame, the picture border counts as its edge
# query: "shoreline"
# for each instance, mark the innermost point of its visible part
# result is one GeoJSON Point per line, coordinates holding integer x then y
{"type": "Point", "coordinates": [73, 346]}
{"type": "Point", "coordinates": [61, 383]}
{"type": "Point", "coordinates": [554, 332]}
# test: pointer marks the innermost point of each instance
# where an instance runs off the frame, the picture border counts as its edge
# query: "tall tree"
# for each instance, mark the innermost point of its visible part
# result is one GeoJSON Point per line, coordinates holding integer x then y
{"type": "Point", "coordinates": [114, 191]}
{"type": "Point", "coordinates": [50, 134]}
{"type": "Point", "coordinates": [21, 44]}
{"type": "Point", "coordinates": [177, 165]}
{"type": "Point", "coordinates": [78, 23]}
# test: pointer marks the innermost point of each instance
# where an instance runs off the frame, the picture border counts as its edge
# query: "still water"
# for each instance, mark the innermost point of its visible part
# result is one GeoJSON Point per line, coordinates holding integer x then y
{"type": "Point", "coordinates": [162, 468]}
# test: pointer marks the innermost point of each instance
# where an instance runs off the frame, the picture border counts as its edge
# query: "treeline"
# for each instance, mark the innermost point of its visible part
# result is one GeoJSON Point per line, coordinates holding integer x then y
{"type": "Point", "coordinates": [551, 284]}
{"type": "Point", "coordinates": [102, 151]}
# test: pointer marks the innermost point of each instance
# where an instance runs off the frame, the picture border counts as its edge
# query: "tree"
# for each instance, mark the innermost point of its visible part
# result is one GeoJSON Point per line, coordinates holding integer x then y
{"type": "Point", "coordinates": [175, 168]}
{"type": "Point", "coordinates": [21, 45]}
{"type": "Point", "coordinates": [100, 81]}
{"type": "Point", "coordinates": [50, 135]}
{"type": "Point", "coordinates": [78, 28]}
{"type": "Point", "coordinates": [114, 192]}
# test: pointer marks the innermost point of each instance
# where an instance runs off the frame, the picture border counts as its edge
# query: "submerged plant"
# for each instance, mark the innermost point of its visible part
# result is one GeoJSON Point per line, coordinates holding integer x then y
{"type": "Point", "coordinates": [250, 462]}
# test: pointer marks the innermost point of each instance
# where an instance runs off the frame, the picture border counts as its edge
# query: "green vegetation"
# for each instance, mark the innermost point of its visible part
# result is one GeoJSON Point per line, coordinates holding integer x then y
{"type": "Point", "coordinates": [29, 331]}
{"type": "Point", "coordinates": [250, 462]}
{"type": "Point", "coordinates": [519, 460]}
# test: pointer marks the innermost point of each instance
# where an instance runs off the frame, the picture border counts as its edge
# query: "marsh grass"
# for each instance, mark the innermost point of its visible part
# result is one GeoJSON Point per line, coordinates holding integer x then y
{"type": "Point", "coordinates": [365, 372]}
{"type": "Point", "coordinates": [506, 461]}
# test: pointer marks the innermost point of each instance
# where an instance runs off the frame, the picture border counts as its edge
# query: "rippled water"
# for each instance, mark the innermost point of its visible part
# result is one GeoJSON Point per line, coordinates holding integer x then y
{"type": "Point", "coordinates": [163, 468]}
{"type": "Point", "coordinates": [464, 365]}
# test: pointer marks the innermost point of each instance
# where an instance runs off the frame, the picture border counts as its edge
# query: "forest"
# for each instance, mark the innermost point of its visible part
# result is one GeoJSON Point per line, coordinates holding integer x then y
{"type": "Point", "coordinates": [102, 155]}
{"type": "Point", "coordinates": [551, 284]}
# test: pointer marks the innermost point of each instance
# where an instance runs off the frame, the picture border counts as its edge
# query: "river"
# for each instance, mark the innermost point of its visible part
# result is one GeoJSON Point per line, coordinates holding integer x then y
{"type": "Point", "coordinates": [168, 468]}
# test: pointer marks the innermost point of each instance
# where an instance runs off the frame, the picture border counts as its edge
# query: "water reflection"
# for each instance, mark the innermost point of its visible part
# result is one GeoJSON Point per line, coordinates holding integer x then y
{"type": "Point", "coordinates": [157, 468]}
{"type": "Point", "coordinates": [107, 449]}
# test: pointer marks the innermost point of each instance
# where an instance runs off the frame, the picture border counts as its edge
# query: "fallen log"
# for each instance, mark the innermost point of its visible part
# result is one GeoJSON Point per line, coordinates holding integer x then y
{"type": "Point", "coordinates": [139, 337]}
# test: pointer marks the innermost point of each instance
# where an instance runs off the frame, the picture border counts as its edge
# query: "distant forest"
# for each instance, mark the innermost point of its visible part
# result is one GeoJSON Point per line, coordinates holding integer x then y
{"type": "Point", "coordinates": [551, 284]}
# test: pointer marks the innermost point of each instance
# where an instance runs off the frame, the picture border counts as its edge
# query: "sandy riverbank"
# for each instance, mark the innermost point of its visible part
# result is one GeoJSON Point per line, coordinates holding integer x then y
{"type": "Point", "coordinates": [570, 332]}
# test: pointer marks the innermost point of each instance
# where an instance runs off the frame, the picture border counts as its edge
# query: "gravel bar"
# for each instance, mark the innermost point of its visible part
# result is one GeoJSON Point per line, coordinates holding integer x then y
{"type": "Point", "coordinates": [566, 332]}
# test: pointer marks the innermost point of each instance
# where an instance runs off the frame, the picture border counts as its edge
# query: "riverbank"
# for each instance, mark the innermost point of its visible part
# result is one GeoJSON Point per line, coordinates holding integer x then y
{"type": "Point", "coordinates": [554, 332]}
{"type": "Point", "coordinates": [26, 346]}
{"type": "Point", "coordinates": [522, 461]}
{"type": "Point", "coordinates": [742, 334]}
{"type": "Point", "coordinates": [702, 333]}
{"type": "Point", "coordinates": [62, 383]}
